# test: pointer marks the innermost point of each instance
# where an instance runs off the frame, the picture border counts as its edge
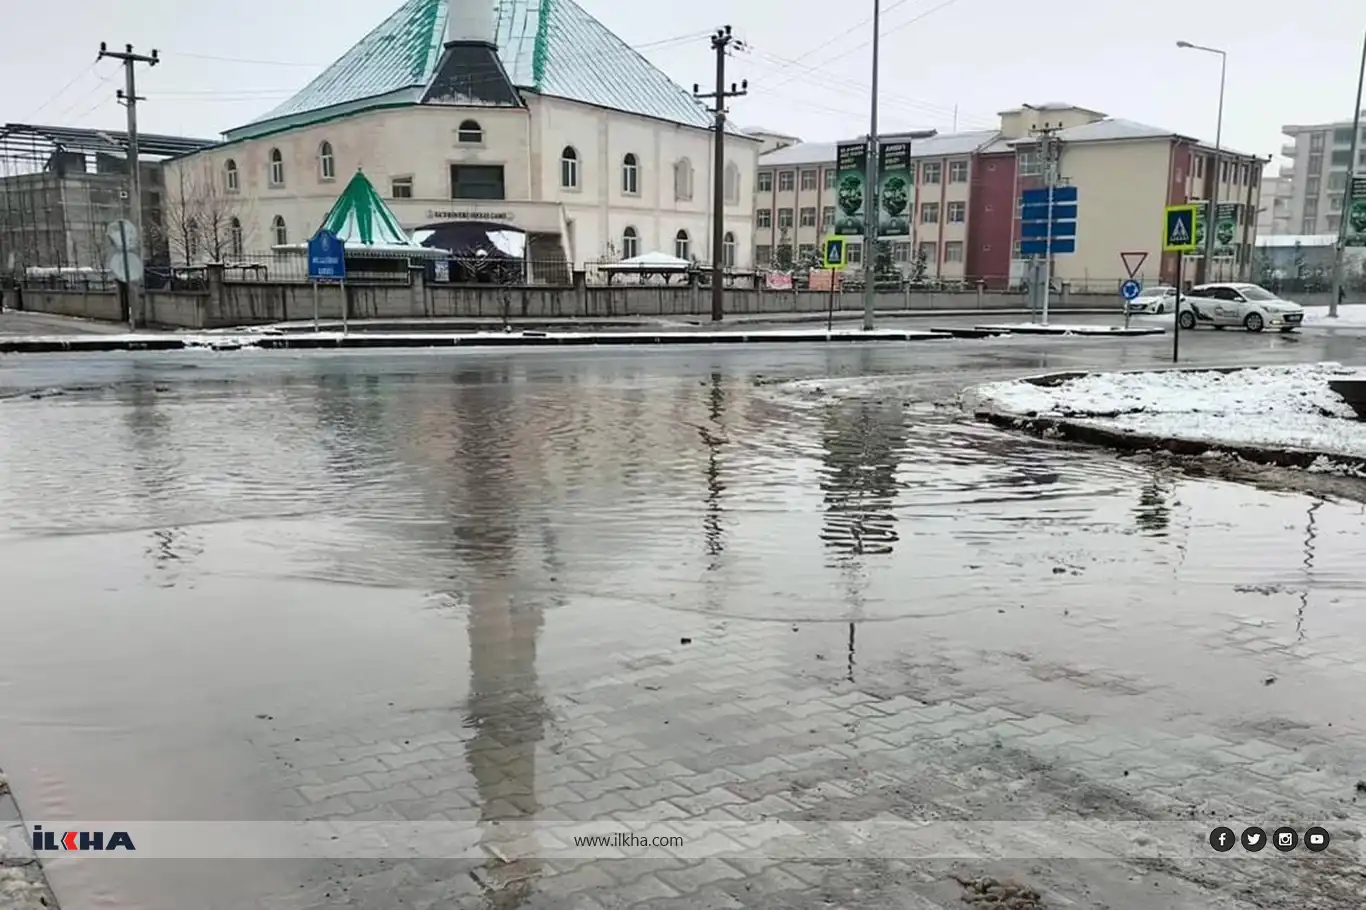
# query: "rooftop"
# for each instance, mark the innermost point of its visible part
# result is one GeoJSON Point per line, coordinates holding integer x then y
{"type": "Point", "coordinates": [551, 47]}
{"type": "Point", "coordinates": [941, 146]}
{"type": "Point", "coordinates": [45, 140]}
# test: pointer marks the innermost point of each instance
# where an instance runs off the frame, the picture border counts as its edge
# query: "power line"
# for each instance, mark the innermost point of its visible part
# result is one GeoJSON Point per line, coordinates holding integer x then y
{"type": "Point", "coordinates": [63, 90]}
{"type": "Point", "coordinates": [96, 91]}
{"type": "Point", "coordinates": [825, 45]}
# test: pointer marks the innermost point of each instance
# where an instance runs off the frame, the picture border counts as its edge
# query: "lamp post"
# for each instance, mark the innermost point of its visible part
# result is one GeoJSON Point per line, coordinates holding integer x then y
{"type": "Point", "coordinates": [1218, 139]}
{"type": "Point", "coordinates": [870, 194]}
{"type": "Point", "coordinates": [1340, 248]}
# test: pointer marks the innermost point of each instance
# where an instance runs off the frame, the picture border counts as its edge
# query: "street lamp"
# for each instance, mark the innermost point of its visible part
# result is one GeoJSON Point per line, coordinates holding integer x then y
{"type": "Point", "coordinates": [1218, 139]}
{"type": "Point", "coordinates": [870, 187]}
{"type": "Point", "coordinates": [1340, 249]}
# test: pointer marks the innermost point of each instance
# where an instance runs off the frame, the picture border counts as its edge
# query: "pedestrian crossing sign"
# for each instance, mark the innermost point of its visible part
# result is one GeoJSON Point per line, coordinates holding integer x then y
{"type": "Point", "coordinates": [1178, 228]}
{"type": "Point", "coordinates": [834, 252]}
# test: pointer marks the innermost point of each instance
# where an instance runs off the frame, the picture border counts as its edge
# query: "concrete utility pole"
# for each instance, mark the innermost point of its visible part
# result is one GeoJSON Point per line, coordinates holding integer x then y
{"type": "Point", "coordinates": [129, 96]}
{"type": "Point", "coordinates": [1050, 150]}
{"type": "Point", "coordinates": [721, 41]}
{"type": "Point", "coordinates": [870, 194]}
{"type": "Point", "coordinates": [1341, 247]}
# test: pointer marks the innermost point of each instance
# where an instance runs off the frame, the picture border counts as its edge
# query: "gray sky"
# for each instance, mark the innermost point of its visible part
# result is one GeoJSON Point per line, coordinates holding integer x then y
{"type": "Point", "coordinates": [805, 76]}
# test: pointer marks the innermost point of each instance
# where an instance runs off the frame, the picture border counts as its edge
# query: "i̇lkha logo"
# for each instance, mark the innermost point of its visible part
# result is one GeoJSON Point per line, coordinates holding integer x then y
{"type": "Point", "coordinates": [80, 840]}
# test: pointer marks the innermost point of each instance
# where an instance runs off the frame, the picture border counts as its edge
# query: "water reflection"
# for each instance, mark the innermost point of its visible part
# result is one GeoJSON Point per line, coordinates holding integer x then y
{"type": "Point", "coordinates": [1311, 533]}
{"type": "Point", "coordinates": [1153, 515]}
{"type": "Point", "coordinates": [171, 548]}
{"type": "Point", "coordinates": [862, 442]}
{"type": "Point", "coordinates": [713, 435]}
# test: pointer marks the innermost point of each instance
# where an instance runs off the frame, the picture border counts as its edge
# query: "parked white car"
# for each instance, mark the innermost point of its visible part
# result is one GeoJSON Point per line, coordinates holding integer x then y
{"type": "Point", "coordinates": [1153, 301]}
{"type": "Point", "coordinates": [1226, 304]}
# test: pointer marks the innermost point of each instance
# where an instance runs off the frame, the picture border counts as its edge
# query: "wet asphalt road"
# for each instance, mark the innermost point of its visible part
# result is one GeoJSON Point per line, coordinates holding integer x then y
{"type": "Point", "coordinates": [458, 586]}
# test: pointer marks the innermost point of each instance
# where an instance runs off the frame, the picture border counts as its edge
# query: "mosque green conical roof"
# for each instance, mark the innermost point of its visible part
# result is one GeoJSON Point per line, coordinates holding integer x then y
{"type": "Point", "coordinates": [552, 47]}
{"type": "Point", "coordinates": [359, 217]}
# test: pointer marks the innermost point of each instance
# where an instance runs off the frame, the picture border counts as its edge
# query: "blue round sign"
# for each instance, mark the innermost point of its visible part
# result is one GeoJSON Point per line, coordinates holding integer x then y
{"type": "Point", "coordinates": [1130, 289]}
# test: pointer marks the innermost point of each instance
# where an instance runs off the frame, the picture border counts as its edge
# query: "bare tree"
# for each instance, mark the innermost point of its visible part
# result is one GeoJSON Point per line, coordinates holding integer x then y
{"type": "Point", "coordinates": [200, 220]}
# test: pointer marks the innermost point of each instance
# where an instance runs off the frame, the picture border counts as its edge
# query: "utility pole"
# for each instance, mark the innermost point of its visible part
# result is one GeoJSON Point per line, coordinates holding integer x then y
{"type": "Point", "coordinates": [1352, 169]}
{"type": "Point", "coordinates": [721, 41]}
{"type": "Point", "coordinates": [1049, 153]}
{"type": "Point", "coordinates": [129, 96]}
{"type": "Point", "coordinates": [870, 193]}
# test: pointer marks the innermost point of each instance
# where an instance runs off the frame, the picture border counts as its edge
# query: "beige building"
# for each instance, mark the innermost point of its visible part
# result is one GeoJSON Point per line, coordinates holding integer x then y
{"type": "Point", "coordinates": [969, 185]}
{"type": "Point", "coordinates": [1275, 214]}
{"type": "Point", "coordinates": [493, 121]}
{"type": "Point", "coordinates": [1320, 159]}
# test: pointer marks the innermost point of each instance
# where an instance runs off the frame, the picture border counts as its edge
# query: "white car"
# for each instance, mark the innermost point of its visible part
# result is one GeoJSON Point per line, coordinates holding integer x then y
{"type": "Point", "coordinates": [1236, 304]}
{"type": "Point", "coordinates": [1153, 301]}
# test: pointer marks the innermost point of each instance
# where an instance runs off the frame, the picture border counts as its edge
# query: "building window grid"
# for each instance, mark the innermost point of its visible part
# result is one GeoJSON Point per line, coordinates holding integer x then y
{"type": "Point", "coordinates": [953, 251]}
{"type": "Point", "coordinates": [784, 218]}
{"type": "Point", "coordinates": [958, 172]}
{"type": "Point", "coordinates": [630, 243]}
{"type": "Point", "coordinates": [630, 174]}
{"type": "Point", "coordinates": [930, 173]}
{"type": "Point", "coordinates": [764, 182]}
{"type": "Point", "coordinates": [763, 218]}
{"type": "Point", "coordinates": [807, 217]}
{"type": "Point", "coordinates": [830, 175]}
{"type": "Point", "coordinates": [929, 213]}
{"type": "Point", "coordinates": [809, 180]}
{"type": "Point", "coordinates": [786, 180]}
{"type": "Point", "coordinates": [569, 168]}
{"type": "Point", "coordinates": [956, 212]}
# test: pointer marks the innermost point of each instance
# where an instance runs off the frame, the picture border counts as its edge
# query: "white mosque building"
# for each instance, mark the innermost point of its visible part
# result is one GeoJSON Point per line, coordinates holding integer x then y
{"type": "Point", "coordinates": [477, 116]}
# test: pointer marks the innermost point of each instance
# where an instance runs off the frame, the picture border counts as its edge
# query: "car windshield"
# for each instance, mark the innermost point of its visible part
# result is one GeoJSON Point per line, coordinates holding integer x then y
{"type": "Point", "coordinates": [1252, 292]}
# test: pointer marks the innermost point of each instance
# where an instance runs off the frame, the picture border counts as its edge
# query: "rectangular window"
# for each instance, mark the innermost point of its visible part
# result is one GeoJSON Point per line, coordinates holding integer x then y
{"type": "Point", "coordinates": [401, 188]}
{"type": "Point", "coordinates": [930, 250]}
{"type": "Point", "coordinates": [929, 213]}
{"type": "Point", "coordinates": [957, 212]}
{"type": "Point", "coordinates": [809, 180]}
{"type": "Point", "coordinates": [763, 254]}
{"type": "Point", "coordinates": [1307, 225]}
{"type": "Point", "coordinates": [763, 218]}
{"type": "Point", "coordinates": [765, 182]}
{"type": "Point", "coordinates": [930, 172]}
{"type": "Point", "coordinates": [1342, 157]}
{"type": "Point", "coordinates": [1317, 142]}
{"type": "Point", "coordinates": [828, 218]}
{"type": "Point", "coordinates": [958, 172]}
{"type": "Point", "coordinates": [1342, 135]}
{"type": "Point", "coordinates": [854, 252]}
{"type": "Point", "coordinates": [784, 218]}
{"type": "Point", "coordinates": [1030, 165]}
{"type": "Point", "coordinates": [953, 251]}
{"type": "Point", "coordinates": [805, 250]}
{"type": "Point", "coordinates": [1337, 181]}
{"type": "Point", "coordinates": [477, 181]}
{"type": "Point", "coordinates": [785, 181]}
{"type": "Point", "coordinates": [830, 175]}
{"type": "Point", "coordinates": [808, 217]}
{"type": "Point", "coordinates": [1199, 167]}
{"type": "Point", "coordinates": [901, 251]}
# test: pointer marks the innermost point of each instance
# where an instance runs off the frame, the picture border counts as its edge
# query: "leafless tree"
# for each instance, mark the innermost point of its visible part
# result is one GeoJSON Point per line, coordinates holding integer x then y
{"type": "Point", "coordinates": [200, 220]}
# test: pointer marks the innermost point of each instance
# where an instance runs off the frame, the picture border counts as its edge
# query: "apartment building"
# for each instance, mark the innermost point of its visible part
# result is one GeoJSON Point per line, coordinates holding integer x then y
{"type": "Point", "coordinates": [1320, 159]}
{"type": "Point", "coordinates": [1275, 216]}
{"type": "Point", "coordinates": [968, 187]}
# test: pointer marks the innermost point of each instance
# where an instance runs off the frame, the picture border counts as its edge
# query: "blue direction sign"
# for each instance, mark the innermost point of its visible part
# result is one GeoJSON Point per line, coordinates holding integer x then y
{"type": "Point", "coordinates": [1130, 289]}
{"type": "Point", "coordinates": [1048, 221]}
{"type": "Point", "coordinates": [326, 257]}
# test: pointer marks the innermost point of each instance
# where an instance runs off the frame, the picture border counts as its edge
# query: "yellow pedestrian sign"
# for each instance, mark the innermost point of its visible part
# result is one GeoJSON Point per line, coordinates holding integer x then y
{"type": "Point", "coordinates": [1179, 228]}
{"type": "Point", "coordinates": [835, 252]}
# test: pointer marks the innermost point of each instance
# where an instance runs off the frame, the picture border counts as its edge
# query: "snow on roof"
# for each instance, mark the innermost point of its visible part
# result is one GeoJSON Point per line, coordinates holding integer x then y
{"type": "Point", "coordinates": [1293, 240]}
{"type": "Point", "coordinates": [941, 146]}
{"type": "Point", "coordinates": [649, 261]}
{"type": "Point", "coordinates": [552, 47]}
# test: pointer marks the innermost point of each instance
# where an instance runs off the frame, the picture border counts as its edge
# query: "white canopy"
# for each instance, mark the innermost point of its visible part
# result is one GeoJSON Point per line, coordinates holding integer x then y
{"type": "Point", "coordinates": [657, 262]}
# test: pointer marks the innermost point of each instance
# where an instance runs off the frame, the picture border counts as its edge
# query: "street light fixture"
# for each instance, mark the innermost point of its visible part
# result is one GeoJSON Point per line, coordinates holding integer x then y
{"type": "Point", "coordinates": [1218, 140]}
{"type": "Point", "coordinates": [1339, 250]}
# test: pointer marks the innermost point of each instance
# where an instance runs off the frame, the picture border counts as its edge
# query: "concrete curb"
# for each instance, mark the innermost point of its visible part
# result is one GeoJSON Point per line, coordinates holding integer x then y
{"type": "Point", "coordinates": [23, 884]}
{"type": "Point", "coordinates": [1077, 430]}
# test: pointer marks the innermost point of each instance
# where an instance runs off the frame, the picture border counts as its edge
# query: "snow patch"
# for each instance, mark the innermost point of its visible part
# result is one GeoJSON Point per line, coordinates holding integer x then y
{"type": "Point", "coordinates": [1351, 315]}
{"type": "Point", "coordinates": [1265, 407]}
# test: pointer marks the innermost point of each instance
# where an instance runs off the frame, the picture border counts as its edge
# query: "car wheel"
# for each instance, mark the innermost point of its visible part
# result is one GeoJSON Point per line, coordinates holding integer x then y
{"type": "Point", "coordinates": [1161, 308]}
{"type": "Point", "coordinates": [1253, 322]}
{"type": "Point", "coordinates": [1186, 320]}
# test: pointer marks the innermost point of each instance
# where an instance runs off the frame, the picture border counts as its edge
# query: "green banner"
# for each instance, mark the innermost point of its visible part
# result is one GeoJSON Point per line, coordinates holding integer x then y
{"type": "Point", "coordinates": [851, 166]}
{"type": "Point", "coordinates": [895, 190]}
{"type": "Point", "coordinates": [1225, 230]}
{"type": "Point", "coordinates": [1355, 212]}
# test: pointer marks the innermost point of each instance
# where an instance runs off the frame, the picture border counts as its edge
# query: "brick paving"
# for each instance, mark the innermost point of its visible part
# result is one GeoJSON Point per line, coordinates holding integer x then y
{"type": "Point", "coordinates": [728, 729]}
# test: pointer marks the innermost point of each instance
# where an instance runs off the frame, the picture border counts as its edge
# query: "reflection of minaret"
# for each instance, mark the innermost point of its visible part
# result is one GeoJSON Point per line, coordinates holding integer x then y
{"type": "Point", "coordinates": [171, 546]}
{"type": "Point", "coordinates": [1311, 533]}
{"type": "Point", "coordinates": [713, 437]}
{"type": "Point", "coordinates": [863, 442]}
{"type": "Point", "coordinates": [1153, 516]}
{"type": "Point", "coordinates": [505, 706]}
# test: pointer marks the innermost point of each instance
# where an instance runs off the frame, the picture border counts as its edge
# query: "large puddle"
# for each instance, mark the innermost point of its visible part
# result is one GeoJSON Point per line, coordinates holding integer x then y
{"type": "Point", "coordinates": [200, 568]}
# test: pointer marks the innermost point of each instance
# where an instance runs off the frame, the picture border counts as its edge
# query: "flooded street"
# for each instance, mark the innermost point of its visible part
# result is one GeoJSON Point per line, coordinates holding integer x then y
{"type": "Point", "coordinates": [791, 583]}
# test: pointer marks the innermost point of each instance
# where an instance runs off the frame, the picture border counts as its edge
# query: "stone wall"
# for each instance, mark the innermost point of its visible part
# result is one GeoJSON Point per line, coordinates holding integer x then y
{"type": "Point", "coordinates": [226, 304]}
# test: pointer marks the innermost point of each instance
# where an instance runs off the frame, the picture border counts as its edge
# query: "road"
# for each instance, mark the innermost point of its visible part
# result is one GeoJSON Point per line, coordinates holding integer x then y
{"type": "Point", "coordinates": [492, 590]}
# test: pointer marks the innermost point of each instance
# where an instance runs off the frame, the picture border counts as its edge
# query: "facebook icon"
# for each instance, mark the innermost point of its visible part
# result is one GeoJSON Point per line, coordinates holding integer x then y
{"type": "Point", "coordinates": [1222, 839]}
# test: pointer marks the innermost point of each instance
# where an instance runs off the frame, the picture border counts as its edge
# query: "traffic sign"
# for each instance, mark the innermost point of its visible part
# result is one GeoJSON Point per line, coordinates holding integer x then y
{"type": "Point", "coordinates": [1048, 221]}
{"type": "Point", "coordinates": [1179, 228]}
{"type": "Point", "coordinates": [326, 257]}
{"type": "Point", "coordinates": [1133, 262]}
{"type": "Point", "coordinates": [116, 265]}
{"type": "Point", "coordinates": [836, 252]}
{"type": "Point", "coordinates": [1130, 289]}
{"type": "Point", "coordinates": [122, 232]}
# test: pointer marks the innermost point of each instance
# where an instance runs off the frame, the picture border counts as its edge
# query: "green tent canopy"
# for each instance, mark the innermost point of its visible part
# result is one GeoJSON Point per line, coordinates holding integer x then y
{"type": "Point", "coordinates": [366, 227]}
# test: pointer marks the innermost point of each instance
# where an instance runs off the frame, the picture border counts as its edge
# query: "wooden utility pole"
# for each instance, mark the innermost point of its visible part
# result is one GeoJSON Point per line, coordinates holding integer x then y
{"type": "Point", "coordinates": [721, 41]}
{"type": "Point", "coordinates": [129, 96]}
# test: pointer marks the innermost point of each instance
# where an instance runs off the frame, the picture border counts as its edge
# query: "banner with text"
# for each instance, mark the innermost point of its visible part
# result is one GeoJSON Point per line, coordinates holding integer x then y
{"type": "Point", "coordinates": [1356, 212]}
{"type": "Point", "coordinates": [851, 166]}
{"type": "Point", "coordinates": [895, 190]}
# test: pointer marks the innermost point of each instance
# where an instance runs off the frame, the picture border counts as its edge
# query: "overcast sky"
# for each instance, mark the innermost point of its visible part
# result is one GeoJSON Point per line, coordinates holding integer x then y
{"type": "Point", "coordinates": [225, 63]}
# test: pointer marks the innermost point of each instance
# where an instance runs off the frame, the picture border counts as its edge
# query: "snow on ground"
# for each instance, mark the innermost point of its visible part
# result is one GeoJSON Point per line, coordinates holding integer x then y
{"type": "Point", "coordinates": [1058, 328]}
{"type": "Point", "coordinates": [1271, 407]}
{"type": "Point", "coordinates": [1352, 315]}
